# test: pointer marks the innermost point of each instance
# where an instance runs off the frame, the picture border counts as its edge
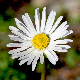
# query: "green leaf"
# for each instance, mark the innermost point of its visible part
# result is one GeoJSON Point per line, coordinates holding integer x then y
{"type": "Point", "coordinates": [72, 58]}
{"type": "Point", "coordinates": [39, 67]}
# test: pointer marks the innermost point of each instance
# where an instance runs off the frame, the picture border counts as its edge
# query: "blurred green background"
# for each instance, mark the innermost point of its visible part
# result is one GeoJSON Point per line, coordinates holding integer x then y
{"type": "Point", "coordinates": [68, 66]}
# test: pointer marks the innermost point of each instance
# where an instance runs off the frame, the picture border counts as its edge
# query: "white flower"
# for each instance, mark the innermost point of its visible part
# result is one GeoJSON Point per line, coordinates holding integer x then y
{"type": "Point", "coordinates": [44, 39]}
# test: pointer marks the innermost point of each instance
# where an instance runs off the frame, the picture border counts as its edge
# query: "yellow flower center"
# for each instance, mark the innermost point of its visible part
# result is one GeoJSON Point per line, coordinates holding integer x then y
{"type": "Point", "coordinates": [40, 41]}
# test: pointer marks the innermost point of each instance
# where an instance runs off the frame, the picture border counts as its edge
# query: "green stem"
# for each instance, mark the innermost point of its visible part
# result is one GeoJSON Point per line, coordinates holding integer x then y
{"type": "Point", "coordinates": [43, 73]}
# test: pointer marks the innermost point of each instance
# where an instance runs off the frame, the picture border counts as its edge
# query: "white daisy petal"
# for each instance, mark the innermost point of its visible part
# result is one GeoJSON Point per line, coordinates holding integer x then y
{"type": "Point", "coordinates": [61, 27]}
{"type": "Point", "coordinates": [51, 58]}
{"type": "Point", "coordinates": [32, 57]}
{"type": "Point", "coordinates": [69, 32]}
{"type": "Point", "coordinates": [56, 24]}
{"type": "Point", "coordinates": [13, 28]}
{"type": "Point", "coordinates": [16, 54]}
{"type": "Point", "coordinates": [13, 57]}
{"type": "Point", "coordinates": [17, 38]}
{"type": "Point", "coordinates": [65, 41]}
{"type": "Point", "coordinates": [51, 47]}
{"type": "Point", "coordinates": [59, 48]}
{"type": "Point", "coordinates": [17, 50]}
{"type": "Point", "coordinates": [35, 61]}
{"type": "Point", "coordinates": [18, 32]}
{"type": "Point", "coordinates": [18, 44]}
{"type": "Point", "coordinates": [30, 22]}
{"type": "Point", "coordinates": [41, 57]}
{"type": "Point", "coordinates": [50, 21]}
{"type": "Point", "coordinates": [30, 28]}
{"type": "Point", "coordinates": [26, 53]}
{"type": "Point", "coordinates": [26, 23]}
{"type": "Point", "coordinates": [54, 54]}
{"type": "Point", "coordinates": [64, 33]}
{"type": "Point", "coordinates": [37, 20]}
{"type": "Point", "coordinates": [60, 34]}
{"type": "Point", "coordinates": [22, 27]}
{"type": "Point", "coordinates": [23, 54]}
{"type": "Point", "coordinates": [15, 44]}
{"type": "Point", "coordinates": [63, 46]}
{"type": "Point", "coordinates": [34, 65]}
{"type": "Point", "coordinates": [59, 30]}
{"type": "Point", "coordinates": [43, 19]}
{"type": "Point", "coordinates": [23, 61]}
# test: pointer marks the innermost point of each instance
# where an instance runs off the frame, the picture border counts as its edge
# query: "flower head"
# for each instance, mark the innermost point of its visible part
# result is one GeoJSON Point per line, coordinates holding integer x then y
{"type": "Point", "coordinates": [44, 39]}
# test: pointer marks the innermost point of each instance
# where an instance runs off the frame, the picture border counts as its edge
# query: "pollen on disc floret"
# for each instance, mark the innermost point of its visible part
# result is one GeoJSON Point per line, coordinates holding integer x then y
{"type": "Point", "coordinates": [40, 41]}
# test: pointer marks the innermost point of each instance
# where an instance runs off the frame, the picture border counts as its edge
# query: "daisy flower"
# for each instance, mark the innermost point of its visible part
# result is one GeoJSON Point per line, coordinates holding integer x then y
{"type": "Point", "coordinates": [44, 39]}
